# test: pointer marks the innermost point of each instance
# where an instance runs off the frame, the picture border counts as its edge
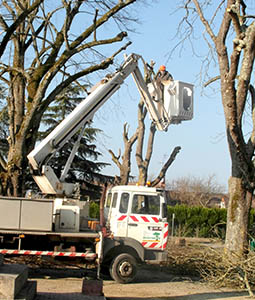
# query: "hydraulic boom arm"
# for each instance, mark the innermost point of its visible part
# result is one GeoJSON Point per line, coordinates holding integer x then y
{"type": "Point", "coordinates": [83, 113]}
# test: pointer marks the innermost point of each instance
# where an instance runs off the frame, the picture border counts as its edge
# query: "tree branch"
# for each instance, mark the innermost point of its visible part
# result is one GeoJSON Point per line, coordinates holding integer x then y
{"type": "Point", "coordinates": [3, 163]}
{"type": "Point", "coordinates": [115, 158]}
{"type": "Point", "coordinates": [118, 38]}
{"type": "Point", "coordinates": [14, 26]}
{"type": "Point", "coordinates": [212, 80]}
{"type": "Point", "coordinates": [234, 13]}
{"type": "Point", "coordinates": [246, 70]}
{"type": "Point", "coordinates": [95, 21]}
{"type": "Point", "coordinates": [164, 169]}
{"type": "Point", "coordinates": [251, 141]}
{"type": "Point", "coordinates": [141, 129]}
{"type": "Point", "coordinates": [204, 21]}
{"type": "Point", "coordinates": [150, 144]}
{"type": "Point", "coordinates": [102, 66]}
{"type": "Point", "coordinates": [100, 22]}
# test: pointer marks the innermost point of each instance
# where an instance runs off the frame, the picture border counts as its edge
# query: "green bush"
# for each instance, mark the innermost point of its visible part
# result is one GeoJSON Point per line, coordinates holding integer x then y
{"type": "Point", "coordinates": [198, 221]}
{"type": "Point", "coordinates": [94, 210]}
{"type": "Point", "coordinates": [252, 223]}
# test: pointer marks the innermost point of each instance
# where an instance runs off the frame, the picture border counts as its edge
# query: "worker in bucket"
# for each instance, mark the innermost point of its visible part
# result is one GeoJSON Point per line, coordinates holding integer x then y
{"type": "Point", "coordinates": [162, 75]}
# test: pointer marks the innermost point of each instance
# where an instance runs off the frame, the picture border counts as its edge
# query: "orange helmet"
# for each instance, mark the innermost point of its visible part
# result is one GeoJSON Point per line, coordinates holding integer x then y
{"type": "Point", "coordinates": [162, 68]}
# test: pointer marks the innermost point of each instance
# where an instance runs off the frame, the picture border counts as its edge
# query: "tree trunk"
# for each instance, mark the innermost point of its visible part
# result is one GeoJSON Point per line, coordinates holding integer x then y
{"type": "Point", "coordinates": [237, 217]}
{"type": "Point", "coordinates": [16, 102]}
{"type": "Point", "coordinates": [15, 171]}
{"type": "Point", "coordinates": [125, 165]}
{"type": "Point", "coordinates": [125, 168]}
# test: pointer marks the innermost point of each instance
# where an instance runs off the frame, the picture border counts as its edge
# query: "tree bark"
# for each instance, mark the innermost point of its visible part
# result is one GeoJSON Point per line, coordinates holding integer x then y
{"type": "Point", "coordinates": [166, 166]}
{"type": "Point", "coordinates": [237, 217]}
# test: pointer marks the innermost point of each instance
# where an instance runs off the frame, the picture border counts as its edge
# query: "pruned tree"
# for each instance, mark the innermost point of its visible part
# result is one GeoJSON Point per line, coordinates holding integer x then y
{"type": "Point", "coordinates": [230, 36]}
{"type": "Point", "coordinates": [143, 161]}
{"type": "Point", "coordinates": [40, 41]}
{"type": "Point", "coordinates": [123, 161]}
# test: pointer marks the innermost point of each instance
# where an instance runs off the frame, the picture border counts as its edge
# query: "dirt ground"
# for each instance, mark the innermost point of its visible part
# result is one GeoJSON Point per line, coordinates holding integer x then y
{"type": "Point", "coordinates": [151, 283]}
{"type": "Point", "coordinates": [177, 281]}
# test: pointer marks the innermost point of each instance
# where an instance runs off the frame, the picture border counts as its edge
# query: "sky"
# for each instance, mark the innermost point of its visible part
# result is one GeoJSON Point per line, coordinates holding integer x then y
{"type": "Point", "coordinates": [204, 150]}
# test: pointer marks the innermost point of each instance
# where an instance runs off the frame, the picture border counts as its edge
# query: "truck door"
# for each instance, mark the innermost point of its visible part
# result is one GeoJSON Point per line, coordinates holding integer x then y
{"type": "Point", "coordinates": [122, 216]}
{"type": "Point", "coordinates": [112, 212]}
{"type": "Point", "coordinates": [117, 215]}
{"type": "Point", "coordinates": [145, 222]}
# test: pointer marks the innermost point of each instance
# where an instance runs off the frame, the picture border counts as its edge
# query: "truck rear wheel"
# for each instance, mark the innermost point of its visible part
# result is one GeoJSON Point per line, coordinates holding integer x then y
{"type": "Point", "coordinates": [123, 268]}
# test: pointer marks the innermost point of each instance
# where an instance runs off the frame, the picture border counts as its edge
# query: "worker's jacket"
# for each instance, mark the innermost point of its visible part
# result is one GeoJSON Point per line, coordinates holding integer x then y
{"type": "Point", "coordinates": [165, 75]}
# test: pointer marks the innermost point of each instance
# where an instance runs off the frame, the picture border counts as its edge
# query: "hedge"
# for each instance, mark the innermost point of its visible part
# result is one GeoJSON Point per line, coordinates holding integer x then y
{"type": "Point", "coordinates": [197, 221]}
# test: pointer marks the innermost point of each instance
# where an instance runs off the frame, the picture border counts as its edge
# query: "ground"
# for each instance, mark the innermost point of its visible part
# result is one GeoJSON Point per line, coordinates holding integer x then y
{"type": "Point", "coordinates": [178, 281]}
{"type": "Point", "coordinates": [151, 284]}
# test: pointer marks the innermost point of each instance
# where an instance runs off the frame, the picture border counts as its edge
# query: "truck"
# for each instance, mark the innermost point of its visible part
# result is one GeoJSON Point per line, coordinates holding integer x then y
{"type": "Point", "coordinates": [133, 227]}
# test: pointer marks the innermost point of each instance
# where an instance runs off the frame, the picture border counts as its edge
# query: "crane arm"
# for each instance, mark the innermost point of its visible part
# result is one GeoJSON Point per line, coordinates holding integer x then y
{"type": "Point", "coordinates": [83, 113]}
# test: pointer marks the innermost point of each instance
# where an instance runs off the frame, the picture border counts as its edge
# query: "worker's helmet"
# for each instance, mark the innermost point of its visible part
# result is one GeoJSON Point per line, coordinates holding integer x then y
{"type": "Point", "coordinates": [162, 68]}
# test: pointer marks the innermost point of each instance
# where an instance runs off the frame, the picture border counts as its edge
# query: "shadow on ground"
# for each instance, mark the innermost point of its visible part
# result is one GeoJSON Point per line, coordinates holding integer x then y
{"type": "Point", "coordinates": [61, 273]}
{"type": "Point", "coordinates": [66, 296]}
{"type": "Point", "coordinates": [202, 296]}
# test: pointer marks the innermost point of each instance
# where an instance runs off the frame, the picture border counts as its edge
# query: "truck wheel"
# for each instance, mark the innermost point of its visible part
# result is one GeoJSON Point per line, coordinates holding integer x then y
{"type": "Point", "coordinates": [123, 268]}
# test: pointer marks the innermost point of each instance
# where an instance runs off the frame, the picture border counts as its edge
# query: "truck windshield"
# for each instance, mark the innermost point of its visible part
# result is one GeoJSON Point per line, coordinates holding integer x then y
{"type": "Point", "coordinates": [146, 204]}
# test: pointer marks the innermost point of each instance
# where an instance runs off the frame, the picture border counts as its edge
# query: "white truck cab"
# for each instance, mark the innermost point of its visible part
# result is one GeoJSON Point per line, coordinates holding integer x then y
{"type": "Point", "coordinates": [138, 212]}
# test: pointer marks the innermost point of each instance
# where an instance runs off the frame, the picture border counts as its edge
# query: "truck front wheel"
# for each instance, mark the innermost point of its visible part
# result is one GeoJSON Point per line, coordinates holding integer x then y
{"type": "Point", "coordinates": [123, 268]}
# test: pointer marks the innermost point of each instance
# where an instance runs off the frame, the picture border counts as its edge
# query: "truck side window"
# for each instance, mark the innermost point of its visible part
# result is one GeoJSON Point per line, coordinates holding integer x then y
{"type": "Point", "coordinates": [124, 202]}
{"type": "Point", "coordinates": [145, 204]}
{"type": "Point", "coordinates": [108, 200]}
{"type": "Point", "coordinates": [114, 200]}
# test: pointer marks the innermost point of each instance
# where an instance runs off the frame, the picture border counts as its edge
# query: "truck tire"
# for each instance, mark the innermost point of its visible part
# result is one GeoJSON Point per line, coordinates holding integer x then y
{"type": "Point", "coordinates": [123, 268]}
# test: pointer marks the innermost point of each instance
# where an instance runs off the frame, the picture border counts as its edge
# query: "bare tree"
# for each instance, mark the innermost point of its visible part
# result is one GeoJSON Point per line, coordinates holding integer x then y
{"type": "Point", "coordinates": [192, 190]}
{"type": "Point", "coordinates": [230, 34]}
{"type": "Point", "coordinates": [45, 47]}
{"type": "Point", "coordinates": [124, 162]}
{"type": "Point", "coordinates": [143, 162]}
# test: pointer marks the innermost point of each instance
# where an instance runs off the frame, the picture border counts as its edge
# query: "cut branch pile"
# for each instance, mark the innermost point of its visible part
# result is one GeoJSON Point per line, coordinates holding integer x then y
{"type": "Point", "coordinates": [213, 266]}
{"type": "Point", "coordinates": [229, 271]}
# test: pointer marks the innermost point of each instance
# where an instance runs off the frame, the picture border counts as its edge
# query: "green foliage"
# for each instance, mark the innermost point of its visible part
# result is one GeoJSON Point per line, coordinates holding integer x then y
{"type": "Point", "coordinates": [251, 224]}
{"type": "Point", "coordinates": [198, 221]}
{"type": "Point", "coordinates": [94, 210]}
